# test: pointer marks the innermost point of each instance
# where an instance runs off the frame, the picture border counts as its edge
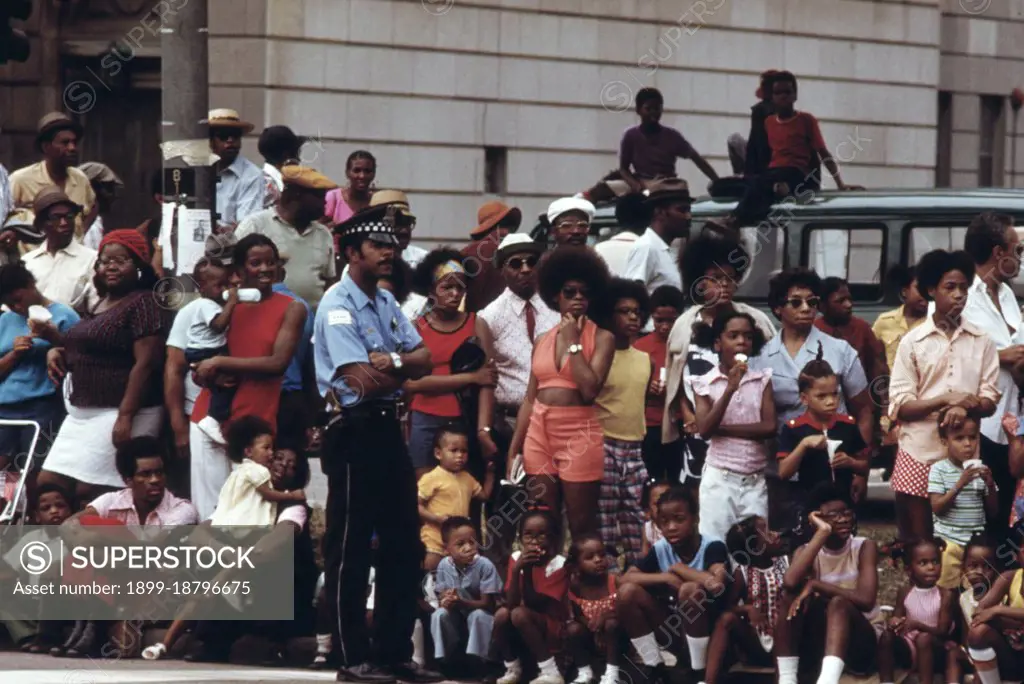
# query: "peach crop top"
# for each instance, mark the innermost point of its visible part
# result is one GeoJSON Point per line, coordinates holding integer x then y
{"type": "Point", "coordinates": [544, 358]}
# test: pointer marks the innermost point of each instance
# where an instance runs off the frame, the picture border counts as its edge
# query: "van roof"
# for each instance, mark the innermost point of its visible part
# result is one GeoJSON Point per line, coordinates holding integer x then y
{"type": "Point", "coordinates": [941, 201]}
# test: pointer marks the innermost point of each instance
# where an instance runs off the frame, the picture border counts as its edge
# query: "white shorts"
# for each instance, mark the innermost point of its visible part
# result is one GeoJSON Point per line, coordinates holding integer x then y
{"type": "Point", "coordinates": [727, 497]}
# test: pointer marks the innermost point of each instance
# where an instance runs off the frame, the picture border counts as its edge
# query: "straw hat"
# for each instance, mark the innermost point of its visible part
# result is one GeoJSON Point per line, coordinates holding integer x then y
{"type": "Point", "coordinates": [228, 118]}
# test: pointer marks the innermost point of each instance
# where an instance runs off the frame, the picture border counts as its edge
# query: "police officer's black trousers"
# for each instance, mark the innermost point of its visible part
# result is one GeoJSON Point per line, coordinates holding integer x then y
{"type": "Point", "coordinates": [371, 488]}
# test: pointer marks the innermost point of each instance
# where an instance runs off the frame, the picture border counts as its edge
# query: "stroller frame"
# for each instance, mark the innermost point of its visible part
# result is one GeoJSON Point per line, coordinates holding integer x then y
{"type": "Point", "coordinates": [20, 500]}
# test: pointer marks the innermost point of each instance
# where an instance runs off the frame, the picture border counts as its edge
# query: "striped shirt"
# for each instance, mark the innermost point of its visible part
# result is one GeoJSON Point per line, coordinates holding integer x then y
{"type": "Point", "coordinates": [967, 514]}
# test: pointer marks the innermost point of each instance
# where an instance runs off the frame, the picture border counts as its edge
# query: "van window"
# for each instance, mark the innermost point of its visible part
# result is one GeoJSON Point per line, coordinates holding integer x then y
{"type": "Point", "coordinates": [768, 250]}
{"type": "Point", "coordinates": [924, 239]}
{"type": "Point", "coordinates": [854, 253]}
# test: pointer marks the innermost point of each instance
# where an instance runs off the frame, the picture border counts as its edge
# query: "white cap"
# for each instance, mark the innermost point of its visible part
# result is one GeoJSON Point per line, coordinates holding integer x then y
{"type": "Point", "coordinates": [567, 204]}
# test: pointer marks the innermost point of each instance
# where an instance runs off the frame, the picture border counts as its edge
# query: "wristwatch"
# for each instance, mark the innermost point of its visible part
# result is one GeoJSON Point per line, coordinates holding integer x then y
{"type": "Point", "coordinates": [484, 429]}
{"type": "Point", "coordinates": [575, 348]}
{"type": "Point", "coordinates": [396, 360]}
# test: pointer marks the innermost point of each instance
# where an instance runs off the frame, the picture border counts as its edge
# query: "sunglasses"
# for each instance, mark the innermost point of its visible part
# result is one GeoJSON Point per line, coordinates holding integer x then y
{"type": "Point", "coordinates": [797, 303]}
{"type": "Point", "coordinates": [570, 292]}
{"type": "Point", "coordinates": [224, 134]}
{"type": "Point", "coordinates": [516, 263]}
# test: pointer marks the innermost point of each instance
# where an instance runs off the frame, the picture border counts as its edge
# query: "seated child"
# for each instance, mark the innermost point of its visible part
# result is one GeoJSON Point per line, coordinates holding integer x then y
{"type": "Point", "coordinates": [961, 496]}
{"type": "Point", "coordinates": [803, 443]}
{"type": "Point", "coordinates": [915, 636]}
{"type": "Point", "coordinates": [797, 150]}
{"type": "Point", "coordinates": [754, 597]}
{"type": "Point", "coordinates": [49, 506]}
{"type": "Point", "coordinates": [247, 497]}
{"type": "Point", "coordinates": [830, 592]}
{"type": "Point", "coordinates": [978, 575]}
{"type": "Point", "coordinates": [996, 635]}
{"type": "Point", "coordinates": [207, 335]}
{"type": "Point", "coordinates": [650, 150]}
{"type": "Point", "coordinates": [685, 572]}
{"type": "Point", "coordinates": [448, 489]}
{"type": "Point", "coordinates": [652, 535]}
{"type": "Point", "coordinates": [468, 585]}
{"type": "Point", "coordinates": [735, 412]}
{"type": "Point", "coordinates": [536, 597]}
{"type": "Point", "coordinates": [592, 593]}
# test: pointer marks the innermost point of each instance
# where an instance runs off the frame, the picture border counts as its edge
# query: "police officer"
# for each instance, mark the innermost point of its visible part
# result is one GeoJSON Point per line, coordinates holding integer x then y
{"type": "Point", "coordinates": [364, 349]}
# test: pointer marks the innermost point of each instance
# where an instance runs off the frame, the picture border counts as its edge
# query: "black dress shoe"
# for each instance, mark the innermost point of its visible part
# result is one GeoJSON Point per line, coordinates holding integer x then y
{"type": "Point", "coordinates": [365, 672]}
{"type": "Point", "coordinates": [411, 672]}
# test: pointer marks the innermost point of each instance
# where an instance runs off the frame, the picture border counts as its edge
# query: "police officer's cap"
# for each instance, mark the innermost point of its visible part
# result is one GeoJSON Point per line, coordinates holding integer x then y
{"type": "Point", "coordinates": [372, 223]}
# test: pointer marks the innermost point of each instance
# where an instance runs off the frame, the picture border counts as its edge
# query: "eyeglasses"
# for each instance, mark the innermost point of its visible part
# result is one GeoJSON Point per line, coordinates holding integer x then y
{"type": "Point", "coordinates": [516, 263]}
{"type": "Point", "coordinates": [114, 261]}
{"type": "Point", "coordinates": [57, 219]}
{"type": "Point", "coordinates": [837, 516]}
{"type": "Point", "coordinates": [570, 292]}
{"type": "Point", "coordinates": [628, 311]}
{"type": "Point", "coordinates": [572, 225]}
{"type": "Point", "coordinates": [797, 303]}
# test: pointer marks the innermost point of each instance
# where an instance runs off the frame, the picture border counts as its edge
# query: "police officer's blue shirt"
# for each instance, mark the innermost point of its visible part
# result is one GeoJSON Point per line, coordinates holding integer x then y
{"type": "Point", "coordinates": [293, 373]}
{"type": "Point", "coordinates": [348, 327]}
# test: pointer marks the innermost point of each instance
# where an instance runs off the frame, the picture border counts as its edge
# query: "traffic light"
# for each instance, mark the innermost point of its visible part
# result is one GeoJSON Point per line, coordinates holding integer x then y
{"type": "Point", "coordinates": [14, 44]}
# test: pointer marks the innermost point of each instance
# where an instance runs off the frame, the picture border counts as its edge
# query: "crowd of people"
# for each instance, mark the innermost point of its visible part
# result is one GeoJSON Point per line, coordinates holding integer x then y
{"type": "Point", "coordinates": [544, 462]}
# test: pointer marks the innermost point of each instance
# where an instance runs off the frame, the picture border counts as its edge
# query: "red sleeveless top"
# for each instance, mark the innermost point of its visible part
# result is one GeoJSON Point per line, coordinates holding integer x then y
{"type": "Point", "coordinates": [252, 333]}
{"type": "Point", "coordinates": [441, 345]}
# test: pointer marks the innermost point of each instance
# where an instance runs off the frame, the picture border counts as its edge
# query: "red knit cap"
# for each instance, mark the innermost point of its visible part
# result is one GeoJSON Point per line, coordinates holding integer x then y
{"type": "Point", "coordinates": [130, 239]}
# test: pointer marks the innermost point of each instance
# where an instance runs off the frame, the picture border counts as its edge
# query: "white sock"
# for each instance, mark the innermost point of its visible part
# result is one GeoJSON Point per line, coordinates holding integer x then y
{"type": "Point", "coordinates": [789, 666]}
{"type": "Point", "coordinates": [647, 648]}
{"type": "Point", "coordinates": [989, 676]}
{"type": "Point", "coordinates": [323, 643]}
{"type": "Point", "coordinates": [549, 667]}
{"type": "Point", "coordinates": [418, 655]}
{"type": "Point", "coordinates": [513, 666]}
{"type": "Point", "coordinates": [584, 674]}
{"type": "Point", "coordinates": [611, 674]}
{"type": "Point", "coordinates": [831, 670]}
{"type": "Point", "coordinates": [698, 647]}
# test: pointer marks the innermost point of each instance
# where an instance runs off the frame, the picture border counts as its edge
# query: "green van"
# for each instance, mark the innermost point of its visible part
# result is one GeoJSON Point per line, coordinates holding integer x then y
{"type": "Point", "coordinates": [855, 235]}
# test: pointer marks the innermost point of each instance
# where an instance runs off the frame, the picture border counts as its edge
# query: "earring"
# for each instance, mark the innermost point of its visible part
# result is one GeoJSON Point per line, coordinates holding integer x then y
{"type": "Point", "coordinates": [138, 273]}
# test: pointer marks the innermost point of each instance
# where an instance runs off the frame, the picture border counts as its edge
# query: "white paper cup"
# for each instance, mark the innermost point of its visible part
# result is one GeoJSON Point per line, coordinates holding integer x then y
{"type": "Point", "coordinates": [833, 446]}
{"type": "Point", "coordinates": [39, 313]}
{"type": "Point", "coordinates": [973, 463]}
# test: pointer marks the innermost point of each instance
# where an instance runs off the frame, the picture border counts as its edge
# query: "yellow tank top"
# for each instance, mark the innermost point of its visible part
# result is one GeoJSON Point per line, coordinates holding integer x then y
{"type": "Point", "coordinates": [1015, 598]}
{"type": "Point", "coordinates": [621, 403]}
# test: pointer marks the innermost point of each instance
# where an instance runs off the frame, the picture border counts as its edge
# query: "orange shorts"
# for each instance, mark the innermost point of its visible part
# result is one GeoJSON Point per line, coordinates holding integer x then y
{"type": "Point", "coordinates": [565, 442]}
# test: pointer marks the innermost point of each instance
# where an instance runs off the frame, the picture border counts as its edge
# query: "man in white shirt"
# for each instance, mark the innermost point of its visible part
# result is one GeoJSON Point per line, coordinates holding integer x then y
{"type": "Point", "coordinates": [516, 319]}
{"type": "Point", "coordinates": [616, 251]}
{"type": "Point", "coordinates": [62, 266]}
{"type": "Point", "coordinates": [651, 260]}
{"type": "Point", "coordinates": [995, 247]}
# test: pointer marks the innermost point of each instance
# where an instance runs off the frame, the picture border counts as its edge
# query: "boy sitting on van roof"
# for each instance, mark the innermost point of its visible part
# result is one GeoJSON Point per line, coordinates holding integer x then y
{"type": "Point", "coordinates": [650, 150]}
{"type": "Point", "coordinates": [797, 149]}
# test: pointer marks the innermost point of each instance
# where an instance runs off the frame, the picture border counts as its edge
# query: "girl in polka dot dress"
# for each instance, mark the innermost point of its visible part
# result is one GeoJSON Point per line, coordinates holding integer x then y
{"type": "Point", "coordinates": [754, 598]}
{"type": "Point", "coordinates": [592, 592]}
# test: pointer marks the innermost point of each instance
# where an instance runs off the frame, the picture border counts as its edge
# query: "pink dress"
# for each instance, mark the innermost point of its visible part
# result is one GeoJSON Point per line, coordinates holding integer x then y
{"type": "Point", "coordinates": [922, 605]}
{"type": "Point", "coordinates": [336, 207]}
